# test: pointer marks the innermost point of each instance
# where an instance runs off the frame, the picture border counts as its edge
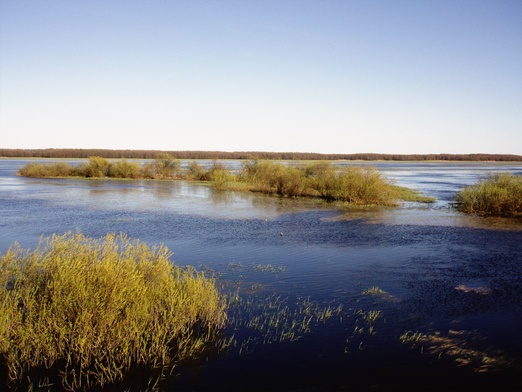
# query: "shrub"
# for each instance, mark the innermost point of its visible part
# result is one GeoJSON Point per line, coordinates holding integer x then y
{"type": "Point", "coordinates": [353, 184]}
{"type": "Point", "coordinates": [268, 177]}
{"type": "Point", "coordinates": [97, 167]}
{"type": "Point", "coordinates": [163, 167]}
{"type": "Point", "coordinates": [124, 169]}
{"type": "Point", "coordinates": [363, 186]}
{"type": "Point", "coordinates": [499, 194]}
{"type": "Point", "coordinates": [38, 170]}
{"type": "Point", "coordinates": [91, 309]}
{"type": "Point", "coordinates": [196, 171]}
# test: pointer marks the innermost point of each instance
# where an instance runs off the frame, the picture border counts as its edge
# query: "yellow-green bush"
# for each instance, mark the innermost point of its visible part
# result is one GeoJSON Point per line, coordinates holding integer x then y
{"type": "Point", "coordinates": [500, 194]}
{"type": "Point", "coordinates": [124, 169]}
{"type": "Point", "coordinates": [92, 309]}
{"type": "Point", "coordinates": [39, 170]}
{"type": "Point", "coordinates": [354, 184]}
{"type": "Point", "coordinates": [163, 167]}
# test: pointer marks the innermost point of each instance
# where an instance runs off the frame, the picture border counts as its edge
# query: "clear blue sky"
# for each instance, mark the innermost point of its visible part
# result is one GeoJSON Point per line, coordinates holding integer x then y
{"type": "Point", "coordinates": [323, 76]}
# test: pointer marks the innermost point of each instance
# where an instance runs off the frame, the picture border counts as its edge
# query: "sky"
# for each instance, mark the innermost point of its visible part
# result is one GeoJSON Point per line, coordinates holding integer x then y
{"type": "Point", "coordinates": [324, 76]}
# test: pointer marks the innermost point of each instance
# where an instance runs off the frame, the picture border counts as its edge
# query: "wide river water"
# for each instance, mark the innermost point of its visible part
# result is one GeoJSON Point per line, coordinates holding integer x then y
{"type": "Point", "coordinates": [455, 279]}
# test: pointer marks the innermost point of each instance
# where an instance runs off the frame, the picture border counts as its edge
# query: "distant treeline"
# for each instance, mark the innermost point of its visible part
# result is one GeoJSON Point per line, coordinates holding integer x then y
{"type": "Point", "coordinates": [153, 154]}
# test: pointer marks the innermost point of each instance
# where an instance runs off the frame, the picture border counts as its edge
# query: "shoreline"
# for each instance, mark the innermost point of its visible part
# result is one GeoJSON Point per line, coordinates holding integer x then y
{"type": "Point", "coordinates": [71, 153]}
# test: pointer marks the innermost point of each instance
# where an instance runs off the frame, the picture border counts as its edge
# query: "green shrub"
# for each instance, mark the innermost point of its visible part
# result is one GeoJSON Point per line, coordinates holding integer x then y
{"type": "Point", "coordinates": [499, 194]}
{"type": "Point", "coordinates": [91, 309]}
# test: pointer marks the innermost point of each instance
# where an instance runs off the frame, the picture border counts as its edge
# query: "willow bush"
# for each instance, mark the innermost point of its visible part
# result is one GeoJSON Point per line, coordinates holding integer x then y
{"type": "Point", "coordinates": [499, 194]}
{"type": "Point", "coordinates": [361, 185]}
{"type": "Point", "coordinates": [92, 309]}
{"type": "Point", "coordinates": [38, 170]}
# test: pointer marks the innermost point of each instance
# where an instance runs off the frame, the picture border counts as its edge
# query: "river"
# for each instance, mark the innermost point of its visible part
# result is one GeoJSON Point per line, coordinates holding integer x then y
{"type": "Point", "coordinates": [454, 278]}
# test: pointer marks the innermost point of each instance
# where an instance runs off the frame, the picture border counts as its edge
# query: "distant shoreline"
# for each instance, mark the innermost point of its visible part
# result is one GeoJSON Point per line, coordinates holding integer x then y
{"type": "Point", "coordinates": [152, 154]}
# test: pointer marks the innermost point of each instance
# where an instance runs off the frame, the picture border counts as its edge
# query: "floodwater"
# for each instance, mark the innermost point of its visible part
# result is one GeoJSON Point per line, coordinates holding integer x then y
{"type": "Point", "coordinates": [455, 280]}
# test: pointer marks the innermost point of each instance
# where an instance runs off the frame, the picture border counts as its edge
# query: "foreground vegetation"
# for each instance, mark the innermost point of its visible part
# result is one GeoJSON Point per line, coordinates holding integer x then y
{"type": "Point", "coordinates": [499, 194]}
{"type": "Point", "coordinates": [90, 310]}
{"type": "Point", "coordinates": [358, 185]}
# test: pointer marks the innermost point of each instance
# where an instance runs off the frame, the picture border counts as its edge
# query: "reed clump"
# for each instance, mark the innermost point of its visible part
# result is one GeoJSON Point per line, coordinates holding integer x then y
{"type": "Point", "coordinates": [92, 309]}
{"type": "Point", "coordinates": [499, 194]}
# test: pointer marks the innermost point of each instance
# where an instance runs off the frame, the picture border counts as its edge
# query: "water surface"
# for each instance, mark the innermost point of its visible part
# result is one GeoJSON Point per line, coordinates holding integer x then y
{"type": "Point", "coordinates": [442, 272]}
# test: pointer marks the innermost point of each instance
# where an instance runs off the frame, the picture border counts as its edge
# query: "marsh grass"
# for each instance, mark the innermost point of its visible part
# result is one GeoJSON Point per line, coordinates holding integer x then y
{"type": "Point", "coordinates": [357, 185]}
{"type": "Point", "coordinates": [38, 170]}
{"type": "Point", "coordinates": [353, 185]}
{"type": "Point", "coordinates": [499, 194]}
{"type": "Point", "coordinates": [408, 194]}
{"type": "Point", "coordinates": [91, 309]}
{"type": "Point", "coordinates": [459, 347]}
{"type": "Point", "coordinates": [273, 319]}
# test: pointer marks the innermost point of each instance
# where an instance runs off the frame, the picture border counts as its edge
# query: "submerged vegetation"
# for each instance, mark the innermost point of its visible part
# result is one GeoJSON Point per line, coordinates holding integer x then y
{"type": "Point", "coordinates": [460, 347]}
{"type": "Point", "coordinates": [357, 185]}
{"type": "Point", "coordinates": [499, 194]}
{"type": "Point", "coordinates": [90, 310]}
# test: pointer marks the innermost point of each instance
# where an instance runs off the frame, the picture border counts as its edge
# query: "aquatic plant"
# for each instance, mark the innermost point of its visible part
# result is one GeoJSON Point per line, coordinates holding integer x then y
{"type": "Point", "coordinates": [273, 319]}
{"type": "Point", "coordinates": [408, 194]}
{"type": "Point", "coordinates": [92, 309]}
{"type": "Point", "coordinates": [374, 290]}
{"type": "Point", "coordinates": [458, 346]}
{"type": "Point", "coordinates": [369, 319]}
{"type": "Point", "coordinates": [499, 194]}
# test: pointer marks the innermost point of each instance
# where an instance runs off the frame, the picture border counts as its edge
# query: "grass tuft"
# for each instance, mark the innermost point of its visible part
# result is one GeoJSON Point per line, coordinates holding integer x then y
{"type": "Point", "coordinates": [92, 309]}
{"type": "Point", "coordinates": [499, 194]}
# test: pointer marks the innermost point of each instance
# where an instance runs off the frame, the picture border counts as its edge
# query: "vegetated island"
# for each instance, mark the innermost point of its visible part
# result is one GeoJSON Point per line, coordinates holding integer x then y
{"type": "Point", "coordinates": [240, 155]}
{"type": "Point", "coordinates": [355, 185]}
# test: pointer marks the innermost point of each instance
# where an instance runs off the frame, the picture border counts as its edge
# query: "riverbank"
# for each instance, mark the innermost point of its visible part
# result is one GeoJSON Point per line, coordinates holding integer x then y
{"type": "Point", "coordinates": [240, 155]}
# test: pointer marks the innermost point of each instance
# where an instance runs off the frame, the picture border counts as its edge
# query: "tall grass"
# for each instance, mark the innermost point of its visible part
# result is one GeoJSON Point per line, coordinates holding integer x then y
{"type": "Point", "coordinates": [92, 309]}
{"type": "Point", "coordinates": [359, 185]}
{"type": "Point", "coordinates": [164, 167]}
{"type": "Point", "coordinates": [499, 194]}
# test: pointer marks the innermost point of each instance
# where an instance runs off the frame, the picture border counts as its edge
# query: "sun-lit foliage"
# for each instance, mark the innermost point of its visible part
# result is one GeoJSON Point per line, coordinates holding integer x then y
{"type": "Point", "coordinates": [92, 309]}
{"type": "Point", "coordinates": [500, 194]}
